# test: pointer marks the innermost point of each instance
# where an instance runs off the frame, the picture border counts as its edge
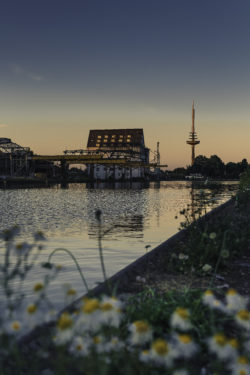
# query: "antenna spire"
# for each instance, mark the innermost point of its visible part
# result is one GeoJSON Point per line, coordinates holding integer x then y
{"type": "Point", "coordinates": [193, 139]}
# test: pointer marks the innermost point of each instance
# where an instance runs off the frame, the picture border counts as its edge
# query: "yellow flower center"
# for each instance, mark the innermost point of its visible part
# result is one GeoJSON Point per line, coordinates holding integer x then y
{"type": "Point", "coordinates": [106, 306]}
{"type": "Point", "coordinates": [231, 292]}
{"type": "Point", "coordinates": [220, 339]}
{"type": "Point", "coordinates": [208, 293]}
{"type": "Point", "coordinates": [38, 287]}
{"type": "Point", "coordinates": [16, 326]}
{"type": "Point", "coordinates": [183, 313]}
{"type": "Point", "coordinates": [160, 346]}
{"type": "Point", "coordinates": [79, 347]}
{"type": "Point", "coordinates": [141, 326]}
{"type": "Point", "coordinates": [31, 309]}
{"type": "Point", "coordinates": [145, 352]}
{"type": "Point", "coordinates": [71, 292]}
{"type": "Point", "coordinates": [185, 339]}
{"type": "Point", "coordinates": [64, 322]}
{"type": "Point", "coordinates": [96, 340]}
{"type": "Point", "coordinates": [242, 372]}
{"type": "Point", "coordinates": [243, 315]}
{"type": "Point", "coordinates": [242, 360]}
{"type": "Point", "coordinates": [234, 343]}
{"type": "Point", "coordinates": [90, 306]}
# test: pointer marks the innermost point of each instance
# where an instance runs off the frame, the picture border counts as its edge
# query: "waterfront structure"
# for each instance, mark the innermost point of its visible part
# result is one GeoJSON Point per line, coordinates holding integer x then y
{"type": "Point", "coordinates": [13, 158]}
{"type": "Point", "coordinates": [118, 144]}
{"type": "Point", "coordinates": [193, 139]}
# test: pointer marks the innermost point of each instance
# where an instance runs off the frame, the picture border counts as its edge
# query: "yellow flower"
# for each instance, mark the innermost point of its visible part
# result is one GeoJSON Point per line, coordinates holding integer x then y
{"type": "Point", "coordinates": [106, 306]}
{"type": "Point", "coordinates": [38, 287]}
{"type": "Point", "coordinates": [243, 315]}
{"type": "Point", "coordinates": [160, 346]}
{"type": "Point", "coordinates": [71, 292]}
{"type": "Point", "coordinates": [64, 322]}
{"type": "Point", "coordinates": [141, 332]}
{"type": "Point", "coordinates": [141, 326]}
{"type": "Point", "coordinates": [180, 319]}
{"type": "Point", "coordinates": [208, 293]}
{"type": "Point", "coordinates": [185, 346]}
{"type": "Point", "coordinates": [234, 343]}
{"type": "Point", "coordinates": [183, 313]}
{"type": "Point", "coordinates": [243, 318]}
{"type": "Point", "coordinates": [242, 360]}
{"type": "Point", "coordinates": [220, 339]}
{"type": "Point", "coordinates": [90, 306]}
{"type": "Point", "coordinates": [96, 340]}
{"type": "Point", "coordinates": [185, 339]}
{"type": "Point", "coordinates": [31, 309]}
{"type": "Point", "coordinates": [16, 326]}
{"type": "Point", "coordinates": [231, 292]}
{"type": "Point", "coordinates": [160, 352]}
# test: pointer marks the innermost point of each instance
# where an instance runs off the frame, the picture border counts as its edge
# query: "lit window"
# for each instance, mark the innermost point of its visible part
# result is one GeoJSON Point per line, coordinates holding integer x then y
{"type": "Point", "coordinates": [99, 136]}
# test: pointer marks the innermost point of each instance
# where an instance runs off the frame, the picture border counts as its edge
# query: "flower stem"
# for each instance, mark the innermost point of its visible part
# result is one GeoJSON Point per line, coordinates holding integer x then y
{"type": "Point", "coordinates": [76, 263]}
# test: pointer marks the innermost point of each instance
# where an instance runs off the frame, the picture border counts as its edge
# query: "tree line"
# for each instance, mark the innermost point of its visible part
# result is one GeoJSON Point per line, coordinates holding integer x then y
{"type": "Point", "coordinates": [212, 167]}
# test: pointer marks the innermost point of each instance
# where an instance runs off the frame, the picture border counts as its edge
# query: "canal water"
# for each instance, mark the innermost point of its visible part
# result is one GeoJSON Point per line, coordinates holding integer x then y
{"type": "Point", "coordinates": [134, 216]}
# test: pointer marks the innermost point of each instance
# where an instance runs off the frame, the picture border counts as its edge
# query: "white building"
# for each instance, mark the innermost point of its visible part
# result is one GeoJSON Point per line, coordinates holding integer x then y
{"type": "Point", "coordinates": [118, 144]}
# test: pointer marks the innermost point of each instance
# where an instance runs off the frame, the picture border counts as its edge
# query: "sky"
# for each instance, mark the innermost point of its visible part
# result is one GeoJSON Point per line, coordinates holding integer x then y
{"type": "Point", "coordinates": [73, 65]}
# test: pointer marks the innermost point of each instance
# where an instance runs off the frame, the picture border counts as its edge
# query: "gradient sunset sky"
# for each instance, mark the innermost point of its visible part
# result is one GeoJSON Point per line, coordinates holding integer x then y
{"type": "Point", "coordinates": [70, 66]}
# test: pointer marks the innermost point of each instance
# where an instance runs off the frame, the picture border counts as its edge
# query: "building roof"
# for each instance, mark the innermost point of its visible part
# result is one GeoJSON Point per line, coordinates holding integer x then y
{"type": "Point", "coordinates": [115, 138]}
{"type": "Point", "coordinates": [7, 146]}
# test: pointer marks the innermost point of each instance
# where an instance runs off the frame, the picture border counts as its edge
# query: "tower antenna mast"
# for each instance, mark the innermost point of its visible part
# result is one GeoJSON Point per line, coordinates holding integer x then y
{"type": "Point", "coordinates": [193, 139]}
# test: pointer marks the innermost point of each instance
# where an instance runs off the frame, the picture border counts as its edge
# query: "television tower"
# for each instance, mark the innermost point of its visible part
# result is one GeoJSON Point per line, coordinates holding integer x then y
{"type": "Point", "coordinates": [193, 140]}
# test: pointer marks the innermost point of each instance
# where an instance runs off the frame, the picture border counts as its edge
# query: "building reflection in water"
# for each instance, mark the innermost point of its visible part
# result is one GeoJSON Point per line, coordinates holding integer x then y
{"type": "Point", "coordinates": [118, 185]}
{"type": "Point", "coordinates": [123, 210]}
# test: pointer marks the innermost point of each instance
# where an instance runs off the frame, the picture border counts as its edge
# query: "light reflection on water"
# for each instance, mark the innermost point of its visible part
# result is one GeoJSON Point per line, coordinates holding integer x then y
{"type": "Point", "coordinates": [137, 217]}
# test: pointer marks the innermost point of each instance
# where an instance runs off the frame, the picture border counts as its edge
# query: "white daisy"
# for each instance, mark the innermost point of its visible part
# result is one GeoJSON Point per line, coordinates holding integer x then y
{"type": "Point", "coordinates": [145, 356]}
{"type": "Point", "coordinates": [64, 329]}
{"type": "Point", "coordinates": [110, 312]}
{"type": "Point", "coordinates": [161, 352]}
{"type": "Point", "coordinates": [181, 319]}
{"type": "Point", "coordinates": [89, 318]}
{"type": "Point", "coordinates": [80, 346]}
{"type": "Point", "coordinates": [115, 344]}
{"type": "Point", "coordinates": [219, 345]}
{"type": "Point", "coordinates": [243, 319]}
{"type": "Point", "coordinates": [140, 332]}
{"type": "Point", "coordinates": [234, 301]}
{"type": "Point", "coordinates": [210, 300]}
{"type": "Point", "coordinates": [184, 346]}
{"type": "Point", "coordinates": [13, 328]}
{"type": "Point", "coordinates": [240, 366]}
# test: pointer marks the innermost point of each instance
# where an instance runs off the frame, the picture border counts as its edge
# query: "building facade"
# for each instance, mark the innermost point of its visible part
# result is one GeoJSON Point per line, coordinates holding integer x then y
{"type": "Point", "coordinates": [118, 144]}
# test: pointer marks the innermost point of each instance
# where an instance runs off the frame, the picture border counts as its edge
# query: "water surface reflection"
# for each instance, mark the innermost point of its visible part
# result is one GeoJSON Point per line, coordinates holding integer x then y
{"type": "Point", "coordinates": [137, 216]}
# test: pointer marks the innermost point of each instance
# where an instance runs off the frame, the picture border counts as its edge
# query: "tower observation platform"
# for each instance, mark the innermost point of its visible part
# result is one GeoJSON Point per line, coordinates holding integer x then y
{"type": "Point", "coordinates": [193, 139]}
